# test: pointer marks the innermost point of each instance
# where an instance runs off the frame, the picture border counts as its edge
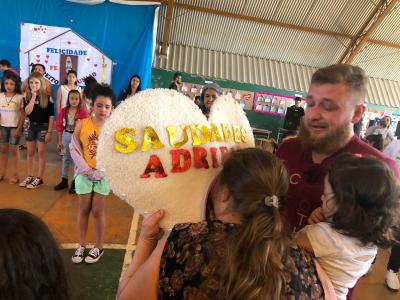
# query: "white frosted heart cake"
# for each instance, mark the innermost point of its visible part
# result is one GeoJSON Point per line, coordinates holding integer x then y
{"type": "Point", "coordinates": [158, 151]}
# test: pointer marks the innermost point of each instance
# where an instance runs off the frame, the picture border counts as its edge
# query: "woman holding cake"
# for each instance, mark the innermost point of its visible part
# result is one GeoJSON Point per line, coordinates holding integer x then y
{"type": "Point", "coordinates": [206, 260]}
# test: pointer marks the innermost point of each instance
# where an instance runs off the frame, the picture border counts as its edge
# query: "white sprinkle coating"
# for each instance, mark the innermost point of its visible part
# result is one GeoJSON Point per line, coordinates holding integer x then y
{"type": "Point", "coordinates": [181, 195]}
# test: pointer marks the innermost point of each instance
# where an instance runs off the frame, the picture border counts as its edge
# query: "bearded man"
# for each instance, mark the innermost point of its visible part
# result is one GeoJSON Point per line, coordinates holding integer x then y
{"type": "Point", "coordinates": [335, 101]}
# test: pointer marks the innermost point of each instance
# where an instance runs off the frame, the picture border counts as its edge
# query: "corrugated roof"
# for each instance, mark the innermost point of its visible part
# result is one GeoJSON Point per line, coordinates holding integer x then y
{"type": "Point", "coordinates": [379, 61]}
{"type": "Point", "coordinates": [389, 29]}
{"type": "Point", "coordinates": [277, 74]}
{"type": "Point", "coordinates": [272, 43]}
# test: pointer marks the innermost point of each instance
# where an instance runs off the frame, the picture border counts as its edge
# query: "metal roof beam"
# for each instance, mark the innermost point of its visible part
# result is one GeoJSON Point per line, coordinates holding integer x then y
{"type": "Point", "coordinates": [361, 31]}
{"type": "Point", "coordinates": [276, 23]}
{"type": "Point", "coordinates": [358, 42]}
{"type": "Point", "coordinates": [260, 20]}
{"type": "Point", "coordinates": [167, 28]}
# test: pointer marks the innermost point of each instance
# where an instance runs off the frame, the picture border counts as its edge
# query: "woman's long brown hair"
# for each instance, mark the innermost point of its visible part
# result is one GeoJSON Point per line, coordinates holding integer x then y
{"type": "Point", "coordinates": [255, 257]}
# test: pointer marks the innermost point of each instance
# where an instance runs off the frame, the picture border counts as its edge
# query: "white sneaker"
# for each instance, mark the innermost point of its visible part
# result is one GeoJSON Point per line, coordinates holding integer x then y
{"type": "Point", "coordinates": [94, 255]}
{"type": "Point", "coordinates": [26, 181]}
{"type": "Point", "coordinates": [392, 280]}
{"type": "Point", "coordinates": [78, 255]}
{"type": "Point", "coordinates": [37, 182]}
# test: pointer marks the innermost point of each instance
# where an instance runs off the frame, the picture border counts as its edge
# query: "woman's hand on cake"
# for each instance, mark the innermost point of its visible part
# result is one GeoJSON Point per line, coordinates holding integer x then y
{"type": "Point", "coordinates": [151, 231]}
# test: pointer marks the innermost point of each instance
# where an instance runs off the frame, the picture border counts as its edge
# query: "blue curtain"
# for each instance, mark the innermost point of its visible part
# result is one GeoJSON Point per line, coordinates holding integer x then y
{"type": "Point", "coordinates": [123, 32]}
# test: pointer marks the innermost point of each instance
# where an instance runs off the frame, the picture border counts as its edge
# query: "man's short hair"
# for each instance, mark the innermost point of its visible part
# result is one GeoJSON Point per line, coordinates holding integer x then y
{"type": "Point", "coordinates": [38, 65]}
{"type": "Point", "coordinates": [297, 99]}
{"type": "Point", "coordinates": [176, 75]}
{"type": "Point", "coordinates": [5, 62]}
{"type": "Point", "coordinates": [352, 76]}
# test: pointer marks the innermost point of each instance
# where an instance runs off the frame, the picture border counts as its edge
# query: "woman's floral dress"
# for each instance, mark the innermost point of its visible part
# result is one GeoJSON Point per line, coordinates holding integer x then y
{"type": "Point", "coordinates": [193, 255]}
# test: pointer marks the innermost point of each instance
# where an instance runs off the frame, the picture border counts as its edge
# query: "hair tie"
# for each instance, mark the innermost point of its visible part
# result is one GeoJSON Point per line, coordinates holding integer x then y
{"type": "Point", "coordinates": [272, 201]}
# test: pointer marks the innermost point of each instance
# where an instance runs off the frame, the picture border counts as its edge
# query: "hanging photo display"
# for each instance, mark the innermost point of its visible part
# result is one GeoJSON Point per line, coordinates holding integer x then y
{"type": "Point", "coordinates": [273, 104]}
{"type": "Point", "coordinates": [244, 98]}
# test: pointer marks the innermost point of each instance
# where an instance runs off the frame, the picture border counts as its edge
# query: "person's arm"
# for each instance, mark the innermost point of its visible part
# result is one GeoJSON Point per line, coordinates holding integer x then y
{"type": "Point", "coordinates": [24, 86]}
{"type": "Point", "coordinates": [303, 242]}
{"type": "Point", "coordinates": [49, 133]}
{"type": "Point", "coordinates": [49, 89]}
{"type": "Point", "coordinates": [84, 101]}
{"type": "Point", "coordinates": [144, 283]}
{"type": "Point", "coordinates": [59, 121]}
{"type": "Point", "coordinates": [59, 141]}
{"type": "Point", "coordinates": [75, 148]}
{"type": "Point", "coordinates": [390, 150]}
{"type": "Point", "coordinates": [49, 111]}
{"type": "Point", "coordinates": [301, 115]}
{"type": "Point", "coordinates": [29, 107]}
{"type": "Point", "coordinates": [20, 121]}
{"type": "Point", "coordinates": [58, 100]}
{"type": "Point", "coordinates": [141, 278]}
{"type": "Point", "coordinates": [388, 139]}
{"type": "Point", "coordinates": [82, 114]}
{"type": "Point", "coordinates": [77, 132]}
{"type": "Point", "coordinates": [329, 290]}
{"type": "Point", "coordinates": [389, 135]}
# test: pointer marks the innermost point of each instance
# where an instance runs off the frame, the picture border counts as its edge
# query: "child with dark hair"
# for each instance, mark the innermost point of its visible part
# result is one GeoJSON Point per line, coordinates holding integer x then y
{"type": "Point", "coordinates": [90, 84]}
{"type": "Point", "coordinates": [89, 182]}
{"type": "Point", "coordinates": [5, 67]}
{"type": "Point", "coordinates": [360, 214]}
{"type": "Point", "coordinates": [132, 88]}
{"type": "Point", "coordinates": [12, 116]}
{"type": "Point", "coordinates": [31, 266]}
{"type": "Point", "coordinates": [62, 93]}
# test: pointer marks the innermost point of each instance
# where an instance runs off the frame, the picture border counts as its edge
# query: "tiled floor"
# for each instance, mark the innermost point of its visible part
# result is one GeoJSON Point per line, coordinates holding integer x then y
{"type": "Point", "coordinates": [58, 210]}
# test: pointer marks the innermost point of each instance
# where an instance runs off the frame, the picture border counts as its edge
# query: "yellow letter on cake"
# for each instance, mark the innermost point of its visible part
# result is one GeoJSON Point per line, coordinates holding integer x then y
{"type": "Point", "coordinates": [215, 135]}
{"type": "Point", "coordinates": [172, 133]}
{"type": "Point", "coordinates": [244, 135]}
{"type": "Point", "coordinates": [205, 134]}
{"type": "Point", "coordinates": [227, 132]}
{"type": "Point", "coordinates": [236, 134]}
{"type": "Point", "coordinates": [151, 140]}
{"type": "Point", "coordinates": [126, 143]}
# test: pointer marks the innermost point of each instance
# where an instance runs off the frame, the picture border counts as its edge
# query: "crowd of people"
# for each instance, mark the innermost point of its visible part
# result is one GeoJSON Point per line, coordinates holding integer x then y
{"type": "Point", "coordinates": [305, 223]}
{"type": "Point", "coordinates": [80, 116]}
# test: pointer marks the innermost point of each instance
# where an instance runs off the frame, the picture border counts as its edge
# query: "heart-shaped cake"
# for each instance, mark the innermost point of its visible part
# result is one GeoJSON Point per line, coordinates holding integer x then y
{"type": "Point", "coordinates": [158, 151]}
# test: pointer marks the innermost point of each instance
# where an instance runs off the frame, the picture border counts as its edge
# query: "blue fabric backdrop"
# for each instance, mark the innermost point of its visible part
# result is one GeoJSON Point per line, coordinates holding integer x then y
{"type": "Point", "coordinates": [123, 32]}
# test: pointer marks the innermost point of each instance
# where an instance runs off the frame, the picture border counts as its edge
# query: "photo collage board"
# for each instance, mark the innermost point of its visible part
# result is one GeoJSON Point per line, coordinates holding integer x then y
{"type": "Point", "coordinates": [245, 98]}
{"type": "Point", "coordinates": [273, 104]}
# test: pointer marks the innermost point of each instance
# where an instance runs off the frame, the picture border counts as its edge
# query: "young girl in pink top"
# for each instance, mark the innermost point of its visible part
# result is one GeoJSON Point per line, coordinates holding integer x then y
{"type": "Point", "coordinates": [65, 125]}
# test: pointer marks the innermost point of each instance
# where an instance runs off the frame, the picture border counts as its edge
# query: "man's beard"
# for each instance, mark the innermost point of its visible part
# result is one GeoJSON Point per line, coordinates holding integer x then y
{"type": "Point", "coordinates": [330, 143]}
